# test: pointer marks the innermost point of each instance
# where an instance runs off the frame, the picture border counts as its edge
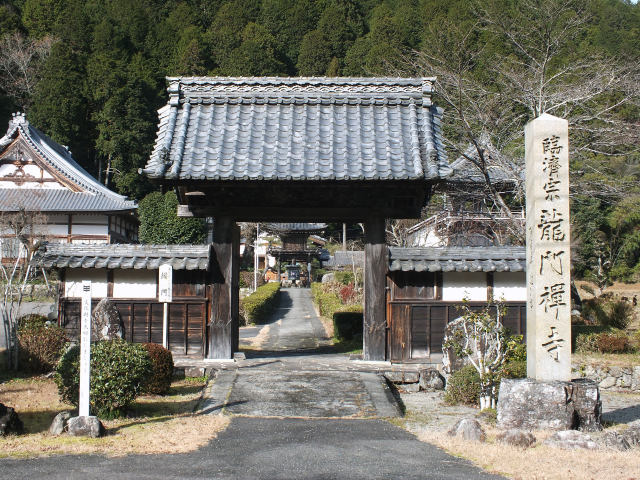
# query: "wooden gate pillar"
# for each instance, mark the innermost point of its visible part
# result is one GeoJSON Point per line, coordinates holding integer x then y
{"type": "Point", "coordinates": [374, 336]}
{"type": "Point", "coordinates": [223, 325]}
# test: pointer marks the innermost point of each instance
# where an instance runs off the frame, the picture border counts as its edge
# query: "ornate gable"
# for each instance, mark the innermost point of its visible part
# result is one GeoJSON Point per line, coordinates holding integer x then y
{"type": "Point", "coordinates": [22, 167]}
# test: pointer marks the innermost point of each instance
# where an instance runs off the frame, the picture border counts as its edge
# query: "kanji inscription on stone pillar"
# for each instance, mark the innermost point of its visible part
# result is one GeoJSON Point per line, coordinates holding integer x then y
{"type": "Point", "coordinates": [548, 249]}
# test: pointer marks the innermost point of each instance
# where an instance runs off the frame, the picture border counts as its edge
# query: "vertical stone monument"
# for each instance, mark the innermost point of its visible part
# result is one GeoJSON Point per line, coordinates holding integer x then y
{"type": "Point", "coordinates": [548, 249]}
{"type": "Point", "coordinates": [548, 399]}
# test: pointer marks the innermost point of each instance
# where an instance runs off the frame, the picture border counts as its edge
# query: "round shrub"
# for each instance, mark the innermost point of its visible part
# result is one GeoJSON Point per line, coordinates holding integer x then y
{"type": "Point", "coordinates": [463, 387]}
{"type": "Point", "coordinates": [39, 345]}
{"type": "Point", "coordinates": [159, 381]}
{"type": "Point", "coordinates": [118, 373]}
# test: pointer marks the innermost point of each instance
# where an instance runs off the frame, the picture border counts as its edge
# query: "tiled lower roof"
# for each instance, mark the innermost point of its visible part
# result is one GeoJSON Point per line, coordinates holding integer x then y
{"type": "Point", "coordinates": [124, 256]}
{"type": "Point", "coordinates": [61, 200]}
{"type": "Point", "coordinates": [457, 259]}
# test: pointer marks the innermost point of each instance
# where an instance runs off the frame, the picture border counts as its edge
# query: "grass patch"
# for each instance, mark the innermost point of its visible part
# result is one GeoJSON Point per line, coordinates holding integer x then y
{"type": "Point", "coordinates": [155, 424]}
{"type": "Point", "coordinates": [353, 345]}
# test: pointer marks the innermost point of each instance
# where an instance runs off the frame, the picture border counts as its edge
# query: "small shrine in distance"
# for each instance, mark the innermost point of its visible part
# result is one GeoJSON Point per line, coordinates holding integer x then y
{"type": "Point", "coordinates": [294, 237]}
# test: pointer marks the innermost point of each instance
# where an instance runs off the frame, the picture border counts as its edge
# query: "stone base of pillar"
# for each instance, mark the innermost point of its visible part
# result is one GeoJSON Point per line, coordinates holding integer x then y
{"type": "Point", "coordinates": [555, 405]}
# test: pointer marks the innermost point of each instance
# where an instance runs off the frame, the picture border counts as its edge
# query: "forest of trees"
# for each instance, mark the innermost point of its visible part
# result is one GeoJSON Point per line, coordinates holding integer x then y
{"type": "Point", "coordinates": [90, 73]}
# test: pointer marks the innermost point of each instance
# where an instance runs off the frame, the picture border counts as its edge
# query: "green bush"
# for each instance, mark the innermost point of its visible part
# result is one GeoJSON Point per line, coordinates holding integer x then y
{"type": "Point", "coordinates": [607, 311]}
{"type": "Point", "coordinates": [260, 304]}
{"type": "Point", "coordinates": [345, 278]}
{"type": "Point", "coordinates": [620, 313]}
{"type": "Point", "coordinates": [463, 387]}
{"type": "Point", "coordinates": [118, 373]}
{"type": "Point", "coordinates": [159, 381]}
{"type": "Point", "coordinates": [514, 369]}
{"type": "Point", "coordinates": [347, 325]}
{"type": "Point", "coordinates": [39, 345]}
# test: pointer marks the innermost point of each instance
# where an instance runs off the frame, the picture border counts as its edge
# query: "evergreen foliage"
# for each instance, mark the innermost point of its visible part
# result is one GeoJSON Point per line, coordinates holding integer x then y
{"type": "Point", "coordinates": [99, 88]}
{"type": "Point", "coordinates": [160, 224]}
{"type": "Point", "coordinates": [118, 373]}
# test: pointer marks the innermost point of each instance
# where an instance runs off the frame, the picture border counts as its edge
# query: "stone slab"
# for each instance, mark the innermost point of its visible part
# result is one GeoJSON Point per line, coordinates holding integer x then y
{"type": "Point", "coordinates": [555, 405]}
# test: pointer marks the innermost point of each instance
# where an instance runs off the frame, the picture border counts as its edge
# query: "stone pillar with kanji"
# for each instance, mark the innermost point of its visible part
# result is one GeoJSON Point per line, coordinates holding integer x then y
{"type": "Point", "coordinates": [548, 249]}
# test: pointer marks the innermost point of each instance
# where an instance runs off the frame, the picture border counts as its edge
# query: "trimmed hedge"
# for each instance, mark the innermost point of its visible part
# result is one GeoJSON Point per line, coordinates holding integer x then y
{"type": "Point", "coordinates": [119, 370]}
{"type": "Point", "coordinates": [347, 325]}
{"type": "Point", "coordinates": [347, 319]}
{"type": "Point", "coordinates": [257, 307]}
{"type": "Point", "coordinates": [159, 381]}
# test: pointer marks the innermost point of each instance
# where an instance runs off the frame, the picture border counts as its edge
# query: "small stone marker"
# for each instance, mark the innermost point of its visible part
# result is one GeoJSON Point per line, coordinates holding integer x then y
{"type": "Point", "coordinates": [548, 249]}
{"type": "Point", "coordinates": [85, 349]}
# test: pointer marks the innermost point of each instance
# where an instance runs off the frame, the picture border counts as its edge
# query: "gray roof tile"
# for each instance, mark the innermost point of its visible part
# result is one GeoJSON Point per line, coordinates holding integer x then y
{"type": "Point", "coordinates": [457, 259]}
{"type": "Point", "coordinates": [124, 256]}
{"type": "Point", "coordinates": [298, 129]}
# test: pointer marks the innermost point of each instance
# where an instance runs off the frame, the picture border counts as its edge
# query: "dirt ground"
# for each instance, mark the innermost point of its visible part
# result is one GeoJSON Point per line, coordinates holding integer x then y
{"type": "Point", "coordinates": [429, 419]}
{"type": "Point", "coordinates": [156, 424]}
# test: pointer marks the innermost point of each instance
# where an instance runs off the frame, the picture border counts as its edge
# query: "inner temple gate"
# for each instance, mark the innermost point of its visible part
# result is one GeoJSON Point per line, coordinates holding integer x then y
{"type": "Point", "coordinates": [298, 150]}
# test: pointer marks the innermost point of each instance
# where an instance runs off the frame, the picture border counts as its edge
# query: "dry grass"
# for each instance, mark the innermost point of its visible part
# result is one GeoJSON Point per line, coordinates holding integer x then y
{"type": "Point", "coordinates": [608, 359]}
{"type": "Point", "coordinates": [157, 424]}
{"type": "Point", "coordinates": [540, 462]}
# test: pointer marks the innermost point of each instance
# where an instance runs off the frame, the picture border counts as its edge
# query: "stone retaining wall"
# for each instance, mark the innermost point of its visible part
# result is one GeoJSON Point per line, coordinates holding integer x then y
{"type": "Point", "coordinates": [610, 378]}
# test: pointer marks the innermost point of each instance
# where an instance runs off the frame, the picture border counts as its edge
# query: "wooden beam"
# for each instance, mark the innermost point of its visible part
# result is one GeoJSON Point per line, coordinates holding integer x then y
{"type": "Point", "coordinates": [375, 271]}
{"type": "Point", "coordinates": [222, 325]}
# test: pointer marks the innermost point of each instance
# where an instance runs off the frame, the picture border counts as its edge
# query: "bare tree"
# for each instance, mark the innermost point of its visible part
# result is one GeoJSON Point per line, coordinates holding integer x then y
{"type": "Point", "coordinates": [535, 75]}
{"type": "Point", "coordinates": [397, 232]}
{"type": "Point", "coordinates": [20, 60]}
{"type": "Point", "coordinates": [22, 234]}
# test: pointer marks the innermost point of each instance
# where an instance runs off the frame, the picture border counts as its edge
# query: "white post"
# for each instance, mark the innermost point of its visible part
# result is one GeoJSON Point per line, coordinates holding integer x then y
{"type": "Point", "coordinates": [165, 295]}
{"type": "Point", "coordinates": [548, 249]}
{"type": "Point", "coordinates": [85, 349]}
{"type": "Point", "coordinates": [256, 261]}
{"type": "Point", "coordinates": [165, 325]}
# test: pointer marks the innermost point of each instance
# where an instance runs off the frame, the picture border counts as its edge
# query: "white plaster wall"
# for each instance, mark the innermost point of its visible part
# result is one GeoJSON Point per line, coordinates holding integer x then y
{"type": "Point", "coordinates": [134, 283]}
{"type": "Point", "coordinates": [457, 286]}
{"type": "Point", "coordinates": [90, 219]}
{"type": "Point", "coordinates": [510, 286]}
{"type": "Point", "coordinates": [57, 229]}
{"type": "Point", "coordinates": [75, 276]}
{"type": "Point", "coordinates": [89, 229]}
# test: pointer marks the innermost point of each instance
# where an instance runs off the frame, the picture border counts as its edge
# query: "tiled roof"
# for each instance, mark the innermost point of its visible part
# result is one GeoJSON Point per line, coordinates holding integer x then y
{"type": "Point", "coordinates": [58, 200]}
{"type": "Point", "coordinates": [124, 256]}
{"type": "Point", "coordinates": [217, 128]}
{"type": "Point", "coordinates": [457, 259]}
{"type": "Point", "coordinates": [295, 227]}
{"type": "Point", "coordinates": [348, 258]}
{"type": "Point", "coordinates": [95, 196]}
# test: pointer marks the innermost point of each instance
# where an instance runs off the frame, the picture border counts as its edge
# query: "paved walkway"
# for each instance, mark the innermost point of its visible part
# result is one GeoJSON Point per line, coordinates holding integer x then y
{"type": "Point", "coordinates": [294, 375]}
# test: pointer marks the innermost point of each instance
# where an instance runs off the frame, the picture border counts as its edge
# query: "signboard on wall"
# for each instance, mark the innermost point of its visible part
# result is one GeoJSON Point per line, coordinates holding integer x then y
{"type": "Point", "coordinates": [165, 286]}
